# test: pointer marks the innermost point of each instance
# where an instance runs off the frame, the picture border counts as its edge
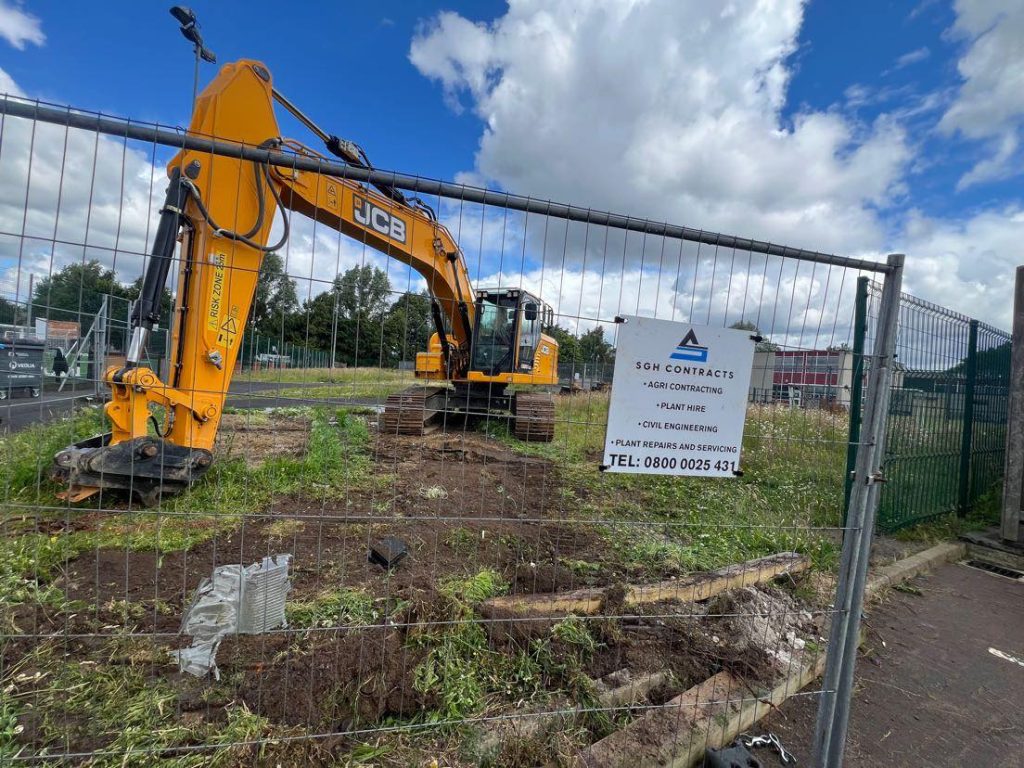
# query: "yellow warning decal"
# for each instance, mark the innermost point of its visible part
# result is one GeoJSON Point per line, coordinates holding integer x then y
{"type": "Point", "coordinates": [229, 330]}
{"type": "Point", "coordinates": [218, 260]}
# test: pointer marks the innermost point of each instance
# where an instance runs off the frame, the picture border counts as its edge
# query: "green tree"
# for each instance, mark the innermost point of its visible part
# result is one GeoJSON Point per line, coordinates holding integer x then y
{"type": "Point", "coordinates": [765, 345]}
{"type": "Point", "coordinates": [76, 292]}
{"type": "Point", "coordinates": [992, 364]}
{"type": "Point", "coordinates": [166, 301]}
{"type": "Point", "coordinates": [351, 315]}
{"type": "Point", "coordinates": [568, 345]}
{"type": "Point", "coordinates": [594, 349]}
{"type": "Point", "coordinates": [407, 327]}
{"type": "Point", "coordinates": [11, 313]}
{"type": "Point", "coordinates": [275, 300]}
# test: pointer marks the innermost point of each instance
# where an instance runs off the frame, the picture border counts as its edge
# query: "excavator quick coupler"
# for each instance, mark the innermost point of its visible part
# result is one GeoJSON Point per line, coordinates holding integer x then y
{"type": "Point", "coordinates": [147, 467]}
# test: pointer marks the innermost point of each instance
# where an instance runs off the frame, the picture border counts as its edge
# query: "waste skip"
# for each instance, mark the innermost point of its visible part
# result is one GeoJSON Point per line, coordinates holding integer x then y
{"type": "Point", "coordinates": [21, 367]}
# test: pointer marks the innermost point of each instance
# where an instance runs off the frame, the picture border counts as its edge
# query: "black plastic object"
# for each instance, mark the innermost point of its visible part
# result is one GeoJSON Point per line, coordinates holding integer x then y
{"type": "Point", "coordinates": [736, 756]}
{"type": "Point", "coordinates": [146, 311]}
{"type": "Point", "coordinates": [387, 552]}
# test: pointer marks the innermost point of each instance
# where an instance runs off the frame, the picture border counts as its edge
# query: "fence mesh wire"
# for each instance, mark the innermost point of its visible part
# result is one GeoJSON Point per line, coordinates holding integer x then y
{"type": "Point", "coordinates": [946, 428]}
{"type": "Point", "coordinates": [544, 611]}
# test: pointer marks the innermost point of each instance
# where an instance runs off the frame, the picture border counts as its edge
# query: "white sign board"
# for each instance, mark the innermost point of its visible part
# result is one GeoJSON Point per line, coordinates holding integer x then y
{"type": "Point", "coordinates": [679, 399]}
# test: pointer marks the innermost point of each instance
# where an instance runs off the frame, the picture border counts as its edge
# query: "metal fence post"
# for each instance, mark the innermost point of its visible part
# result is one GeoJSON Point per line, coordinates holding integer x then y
{"type": "Point", "coordinates": [99, 345]}
{"type": "Point", "coordinates": [860, 325]}
{"type": "Point", "coordinates": [970, 378]}
{"type": "Point", "coordinates": [834, 708]}
{"type": "Point", "coordinates": [1013, 479]}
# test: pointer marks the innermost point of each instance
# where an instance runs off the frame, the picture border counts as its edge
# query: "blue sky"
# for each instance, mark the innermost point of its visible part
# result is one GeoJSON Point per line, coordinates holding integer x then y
{"type": "Point", "coordinates": [349, 69]}
{"type": "Point", "coordinates": [846, 45]}
{"type": "Point", "coordinates": [854, 128]}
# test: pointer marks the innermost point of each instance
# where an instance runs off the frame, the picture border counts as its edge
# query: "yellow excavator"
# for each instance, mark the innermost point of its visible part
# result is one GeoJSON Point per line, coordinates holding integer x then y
{"type": "Point", "coordinates": [221, 210]}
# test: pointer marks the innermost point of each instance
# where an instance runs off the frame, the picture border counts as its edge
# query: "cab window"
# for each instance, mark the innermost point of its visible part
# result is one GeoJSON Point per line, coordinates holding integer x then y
{"type": "Point", "coordinates": [529, 334]}
{"type": "Point", "coordinates": [495, 334]}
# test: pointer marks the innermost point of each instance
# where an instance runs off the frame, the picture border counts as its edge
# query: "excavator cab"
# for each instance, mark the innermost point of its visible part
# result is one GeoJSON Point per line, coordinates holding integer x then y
{"type": "Point", "coordinates": [507, 331]}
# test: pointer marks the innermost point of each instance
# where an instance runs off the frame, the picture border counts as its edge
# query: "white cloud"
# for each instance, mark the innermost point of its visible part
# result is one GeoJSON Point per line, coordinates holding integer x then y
{"type": "Point", "coordinates": [990, 104]}
{"type": "Point", "coordinates": [667, 110]}
{"type": "Point", "coordinates": [18, 27]}
{"type": "Point", "coordinates": [912, 57]}
{"type": "Point", "coordinates": [70, 196]}
{"type": "Point", "coordinates": [8, 86]}
{"type": "Point", "coordinates": [966, 264]}
{"type": "Point", "coordinates": [793, 304]}
{"type": "Point", "coordinates": [672, 110]}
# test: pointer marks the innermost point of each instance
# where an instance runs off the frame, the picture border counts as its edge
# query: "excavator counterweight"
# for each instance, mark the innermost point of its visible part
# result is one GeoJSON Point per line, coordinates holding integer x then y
{"type": "Point", "coordinates": [216, 224]}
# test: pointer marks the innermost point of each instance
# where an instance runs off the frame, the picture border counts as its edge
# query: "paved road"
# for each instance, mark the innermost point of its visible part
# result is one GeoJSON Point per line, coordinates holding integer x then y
{"type": "Point", "coordinates": [939, 679]}
{"type": "Point", "coordinates": [18, 413]}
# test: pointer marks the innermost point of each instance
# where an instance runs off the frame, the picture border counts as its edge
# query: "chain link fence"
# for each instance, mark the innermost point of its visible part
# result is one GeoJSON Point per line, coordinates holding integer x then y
{"type": "Point", "coordinates": [332, 591]}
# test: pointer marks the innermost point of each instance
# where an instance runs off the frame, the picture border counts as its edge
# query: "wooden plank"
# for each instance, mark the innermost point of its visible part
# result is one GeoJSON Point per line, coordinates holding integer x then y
{"type": "Point", "coordinates": [659, 733]}
{"type": "Point", "coordinates": [532, 725]}
{"type": "Point", "coordinates": [691, 588]}
{"type": "Point", "coordinates": [711, 714]}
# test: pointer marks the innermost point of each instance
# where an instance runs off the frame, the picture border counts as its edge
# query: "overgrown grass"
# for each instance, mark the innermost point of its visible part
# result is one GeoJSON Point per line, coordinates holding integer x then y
{"type": "Point", "coordinates": [473, 590]}
{"type": "Point", "coordinates": [342, 608]}
{"type": "Point", "coordinates": [651, 526]}
{"type": "Point", "coordinates": [468, 674]}
{"type": "Point", "coordinates": [27, 561]}
{"type": "Point", "coordinates": [340, 383]}
{"type": "Point", "coordinates": [983, 514]}
{"type": "Point", "coordinates": [923, 466]}
{"type": "Point", "coordinates": [26, 456]}
{"type": "Point", "coordinates": [121, 708]}
{"type": "Point", "coordinates": [792, 486]}
{"type": "Point", "coordinates": [336, 461]}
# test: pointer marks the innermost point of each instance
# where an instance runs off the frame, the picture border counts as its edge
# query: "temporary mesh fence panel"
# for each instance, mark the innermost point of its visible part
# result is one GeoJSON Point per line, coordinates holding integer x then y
{"type": "Point", "coordinates": [946, 428]}
{"type": "Point", "coordinates": [462, 596]}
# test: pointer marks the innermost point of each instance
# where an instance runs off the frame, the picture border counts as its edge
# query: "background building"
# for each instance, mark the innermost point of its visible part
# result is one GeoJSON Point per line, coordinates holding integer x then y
{"type": "Point", "coordinates": [809, 378]}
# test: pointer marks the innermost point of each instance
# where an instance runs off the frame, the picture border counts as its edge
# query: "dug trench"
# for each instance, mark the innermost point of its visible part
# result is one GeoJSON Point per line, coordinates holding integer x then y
{"type": "Point", "coordinates": [463, 504]}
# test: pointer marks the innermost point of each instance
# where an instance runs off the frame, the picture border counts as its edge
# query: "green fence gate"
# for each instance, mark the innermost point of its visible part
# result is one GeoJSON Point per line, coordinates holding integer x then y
{"type": "Point", "coordinates": [946, 426]}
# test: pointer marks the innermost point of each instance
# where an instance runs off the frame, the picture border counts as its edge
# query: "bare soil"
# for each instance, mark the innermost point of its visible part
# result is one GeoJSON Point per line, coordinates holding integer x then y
{"type": "Point", "coordinates": [258, 437]}
{"type": "Point", "coordinates": [461, 503]}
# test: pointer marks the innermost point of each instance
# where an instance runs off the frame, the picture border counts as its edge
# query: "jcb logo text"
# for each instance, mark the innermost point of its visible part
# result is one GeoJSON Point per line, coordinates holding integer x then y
{"type": "Point", "coordinates": [379, 220]}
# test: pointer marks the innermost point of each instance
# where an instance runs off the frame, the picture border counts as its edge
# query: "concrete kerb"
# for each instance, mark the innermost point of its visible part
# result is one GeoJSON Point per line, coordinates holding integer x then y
{"type": "Point", "coordinates": [886, 577]}
{"type": "Point", "coordinates": [908, 568]}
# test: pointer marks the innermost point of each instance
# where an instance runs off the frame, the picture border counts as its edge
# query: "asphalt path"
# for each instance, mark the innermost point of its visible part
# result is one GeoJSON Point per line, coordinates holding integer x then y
{"type": "Point", "coordinates": [939, 679]}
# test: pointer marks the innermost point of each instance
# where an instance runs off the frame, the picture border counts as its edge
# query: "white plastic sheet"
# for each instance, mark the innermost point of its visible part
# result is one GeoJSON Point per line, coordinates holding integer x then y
{"type": "Point", "coordinates": [234, 600]}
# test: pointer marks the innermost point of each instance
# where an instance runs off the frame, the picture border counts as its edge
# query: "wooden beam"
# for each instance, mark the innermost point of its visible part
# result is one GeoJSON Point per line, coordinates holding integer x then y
{"type": "Point", "coordinates": [711, 714]}
{"type": "Point", "coordinates": [531, 725]}
{"type": "Point", "coordinates": [691, 588]}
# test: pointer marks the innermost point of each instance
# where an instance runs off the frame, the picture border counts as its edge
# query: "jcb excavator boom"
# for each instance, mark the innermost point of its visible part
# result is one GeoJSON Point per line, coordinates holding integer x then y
{"type": "Point", "coordinates": [221, 209]}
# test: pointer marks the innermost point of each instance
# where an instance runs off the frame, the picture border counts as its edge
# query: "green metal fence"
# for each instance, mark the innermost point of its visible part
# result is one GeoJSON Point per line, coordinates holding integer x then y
{"type": "Point", "coordinates": [946, 426]}
{"type": "Point", "coordinates": [264, 353]}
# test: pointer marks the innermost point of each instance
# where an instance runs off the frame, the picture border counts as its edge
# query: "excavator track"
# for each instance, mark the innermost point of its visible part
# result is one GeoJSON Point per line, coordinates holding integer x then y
{"type": "Point", "coordinates": [412, 411]}
{"type": "Point", "coordinates": [534, 417]}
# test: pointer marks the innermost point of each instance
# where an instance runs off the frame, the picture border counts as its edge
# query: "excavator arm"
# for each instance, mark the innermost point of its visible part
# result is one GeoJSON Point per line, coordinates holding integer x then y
{"type": "Point", "coordinates": [221, 210]}
{"type": "Point", "coordinates": [410, 235]}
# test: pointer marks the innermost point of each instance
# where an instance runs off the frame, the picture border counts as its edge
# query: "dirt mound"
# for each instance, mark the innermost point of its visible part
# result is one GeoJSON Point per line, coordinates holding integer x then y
{"type": "Point", "coordinates": [764, 619]}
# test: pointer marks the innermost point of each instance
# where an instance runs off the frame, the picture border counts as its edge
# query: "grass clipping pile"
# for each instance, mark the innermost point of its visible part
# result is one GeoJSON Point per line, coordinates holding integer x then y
{"type": "Point", "coordinates": [510, 635]}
